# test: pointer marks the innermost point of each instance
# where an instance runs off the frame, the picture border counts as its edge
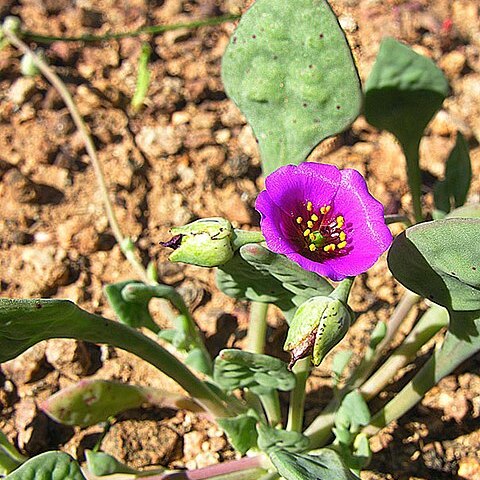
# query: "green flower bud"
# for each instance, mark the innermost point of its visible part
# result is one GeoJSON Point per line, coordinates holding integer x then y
{"type": "Point", "coordinates": [206, 242]}
{"type": "Point", "coordinates": [318, 325]}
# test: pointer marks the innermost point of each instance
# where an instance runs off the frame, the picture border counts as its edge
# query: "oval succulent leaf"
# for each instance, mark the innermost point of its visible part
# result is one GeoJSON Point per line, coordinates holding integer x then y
{"type": "Point", "coordinates": [294, 80]}
{"type": "Point", "coordinates": [440, 261]}
{"type": "Point", "coordinates": [260, 373]}
{"type": "Point", "coordinates": [48, 466]}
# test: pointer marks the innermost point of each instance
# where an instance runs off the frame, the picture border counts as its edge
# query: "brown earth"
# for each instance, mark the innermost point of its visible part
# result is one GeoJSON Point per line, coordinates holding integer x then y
{"type": "Point", "coordinates": [189, 154]}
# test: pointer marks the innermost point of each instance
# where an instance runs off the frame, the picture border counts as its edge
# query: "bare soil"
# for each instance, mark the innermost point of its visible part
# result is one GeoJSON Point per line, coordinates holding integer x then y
{"type": "Point", "coordinates": [190, 154]}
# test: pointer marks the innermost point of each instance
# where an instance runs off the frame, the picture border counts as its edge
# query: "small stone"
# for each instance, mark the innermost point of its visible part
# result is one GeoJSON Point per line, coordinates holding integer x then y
{"type": "Point", "coordinates": [32, 427]}
{"type": "Point", "coordinates": [348, 23]}
{"type": "Point", "coordinates": [222, 136]}
{"type": "Point", "coordinates": [192, 444]}
{"type": "Point", "coordinates": [23, 190]}
{"type": "Point", "coordinates": [453, 63]}
{"type": "Point", "coordinates": [232, 116]}
{"type": "Point", "coordinates": [21, 90]}
{"type": "Point", "coordinates": [203, 120]}
{"type": "Point", "coordinates": [180, 118]}
{"type": "Point", "coordinates": [469, 468]}
{"type": "Point", "coordinates": [159, 141]}
{"type": "Point", "coordinates": [28, 367]}
{"type": "Point", "coordinates": [70, 357]}
{"type": "Point", "coordinates": [247, 141]}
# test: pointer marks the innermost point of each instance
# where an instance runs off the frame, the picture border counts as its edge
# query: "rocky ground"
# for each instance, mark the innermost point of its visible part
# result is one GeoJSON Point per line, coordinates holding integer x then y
{"type": "Point", "coordinates": [190, 154]}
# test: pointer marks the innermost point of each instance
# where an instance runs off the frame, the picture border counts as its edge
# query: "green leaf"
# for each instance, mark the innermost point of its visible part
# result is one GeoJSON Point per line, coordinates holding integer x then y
{"type": "Point", "coordinates": [467, 211]}
{"type": "Point", "coordinates": [378, 334]}
{"type": "Point", "coordinates": [353, 412]}
{"type": "Point", "coordinates": [440, 261]}
{"type": "Point", "coordinates": [339, 363]}
{"type": "Point", "coordinates": [48, 466]}
{"type": "Point", "coordinates": [402, 94]}
{"type": "Point", "coordinates": [241, 431]}
{"type": "Point", "coordinates": [256, 274]}
{"type": "Point", "coordinates": [326, 464]}
{"type": "Point", "coordinates": [92, 401]}
{"type": "Point", "coordinates": [403, 91]}
{"type": "Point", "coordinates": [143, 77]}
{"type": "Point", "coordinates": [133, 313]}
{"type": "Point", "coordinates": [101, 464]}
{"type": "Point", "coordinates": [458, 176]}
{"type": "Point", "coordinates": [273, 439]}
{"type": "Point", "coordinates": [257, 372]}
{"type": "Point", "coordinates": [290, 70]}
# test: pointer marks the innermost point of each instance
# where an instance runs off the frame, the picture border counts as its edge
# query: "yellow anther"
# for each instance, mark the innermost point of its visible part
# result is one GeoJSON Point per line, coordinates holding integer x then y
{"type": "Point", "coordinates": [325, 209]}
{"type": "Point", "coordinates": [306, 233]}
{"type": "Point", "coordinates": [310, 224]}
{"type": "Point", "coordinates": [312, 247]}
{"type": "Point", "coordinates": [343, 236]}
{"type": "Point", "coordinates": [309, 206]}
{"type": "Point", "coordinates": [340, 221]}
{"type": "Point", "coordinates": [341, 245]}
{"type": "Point", "coordinates": [312, 236]}
{"type": "Point", "coordinates": [299, 220]}
{"type": "Point", "coordinates": [329, 248]}
{"type": "Point", "coordinates": [314, 218]}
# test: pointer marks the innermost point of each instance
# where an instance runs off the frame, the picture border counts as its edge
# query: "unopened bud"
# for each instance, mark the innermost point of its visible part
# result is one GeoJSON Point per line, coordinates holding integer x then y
{"type": "Point", "coordinates": [28, 66]}
{"type": "Point", "coordinates": [318, 325]}
{"type": "Point", "coordinates": [206, 243]}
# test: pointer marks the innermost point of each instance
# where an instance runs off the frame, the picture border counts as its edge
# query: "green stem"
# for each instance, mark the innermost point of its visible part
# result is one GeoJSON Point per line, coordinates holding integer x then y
{"type": "Point", "coordinates": [243, 237]}
{"type": "Point", "coordinates": [257, 327]}
{"type": "Point", "coordinates": [430, 324]}
{"type": "Point", "coordinates": [342, 291]}
{"type": "Point", "coordinates": [297, 398]}
{"type": "Point", "coordinates": [96, 329]}
{"type": "Point", "coordinates": [150, 30]}
{"type": "Point", "coordinates": [411, 150]}
{"type": "Point", "coordinates": [271, 404]}
{"type": "Point", "coordinates": [444, 361]}
{"type": "Point", "coordinates": [398, 218]}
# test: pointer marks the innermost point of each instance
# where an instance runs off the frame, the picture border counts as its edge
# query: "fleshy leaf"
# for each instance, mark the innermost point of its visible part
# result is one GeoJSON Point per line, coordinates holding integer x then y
{"type": "Point", "coordinates": [93, 401]}
{"type": "Point", "coordinates": [257, 372]}
{"type": "Point", "coordinates": [403, 91]}
{"type": "Point", "coordinates": [440, 261]}
{"type": "Point", "coordinates": [256, 274]}
{"type": "Point", "coordinates": [339, 363]}
{"type": "Point", "coordinates": [241, 431]}
{"type": "Point", "coordinates": [295, 80]}
{"type": "Point", "coordinates": [133, 313]}
{"type": "Point", "coordinates": [326, 464]}
{"type": "Point", "coordinates": [101, 464]}
{"type": "Point", "coordinates": [272, 439]}
{"type": "Point", "coordinates": [458, 176]}
{"type": "Point", "coordinates": [353, 412]}
{"type": "Point", "coordinates": [48, 466]}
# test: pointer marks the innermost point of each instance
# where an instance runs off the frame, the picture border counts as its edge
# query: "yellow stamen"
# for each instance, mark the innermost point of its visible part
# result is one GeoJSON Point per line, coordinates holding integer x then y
{"type": "Point", "coordinates": [325, 209]}
{"type": "Point", "coordinates": [341, 245]}
{"type": "Point", "coordinates": [299, 220]}
{"type": "Point", "coordinates": [314, 218]}
{"type": "Point", "coordinates": [343, 236]}
{"type": "Point", "coordinates": [340, 221]}
{"type": "Point", "coordinates": [329, 248]}
{"type": "Point", "coordinates": [310, 224]}
{"type": "Point", "coordinates": [312, 236]}
{"type": "Point", "coordinates": [306, 233]}
{"type": "Point", "coordinates": [309, 206]}
{"type": "Point", "coordinates": [312, 247]}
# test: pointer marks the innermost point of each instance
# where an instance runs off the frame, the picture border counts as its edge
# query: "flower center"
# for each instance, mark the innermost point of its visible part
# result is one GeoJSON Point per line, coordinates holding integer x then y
{"type": "Point", "coordinates": [322, 231]}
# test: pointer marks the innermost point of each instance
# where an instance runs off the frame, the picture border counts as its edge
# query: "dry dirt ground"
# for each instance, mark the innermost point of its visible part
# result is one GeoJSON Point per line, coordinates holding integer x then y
{"type": "Point", "coordinates": [189, 154]}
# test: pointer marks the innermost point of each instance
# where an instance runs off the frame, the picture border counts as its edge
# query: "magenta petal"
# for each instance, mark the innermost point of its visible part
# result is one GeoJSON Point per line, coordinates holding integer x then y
{"type": "Point", "coordinates": [368, 235]}
{"type": "Point", "coordinates": [324, 269]}
{"type": "Point", "coordinates": [274, 224]}
{"type": "Point", "coordinates": [291, 186]}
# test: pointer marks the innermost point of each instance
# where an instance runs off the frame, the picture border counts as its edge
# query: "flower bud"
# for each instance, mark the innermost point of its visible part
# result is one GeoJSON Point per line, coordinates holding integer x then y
{"type": "Point", "coordinates": [12, 24]}
{"type": "Point", "coordinates": [318, 325]}
{"type": "Point", "coordinates": [205, 243]}
{"type": "Point", "coordinates": [28, 66]}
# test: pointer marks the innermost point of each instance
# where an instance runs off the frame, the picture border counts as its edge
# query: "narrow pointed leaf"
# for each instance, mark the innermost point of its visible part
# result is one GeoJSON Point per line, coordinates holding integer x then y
{"type": "Point", "coordinates": [290, 70]}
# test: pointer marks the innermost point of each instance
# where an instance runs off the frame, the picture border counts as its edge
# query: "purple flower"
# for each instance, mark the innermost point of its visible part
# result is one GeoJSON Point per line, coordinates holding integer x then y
{"type": "Point", "coordinates": [323, 218]}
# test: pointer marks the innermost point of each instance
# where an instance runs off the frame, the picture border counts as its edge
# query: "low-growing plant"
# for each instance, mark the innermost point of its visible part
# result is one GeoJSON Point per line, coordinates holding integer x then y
{"type": "Point", "coordinates": [290, 70]}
